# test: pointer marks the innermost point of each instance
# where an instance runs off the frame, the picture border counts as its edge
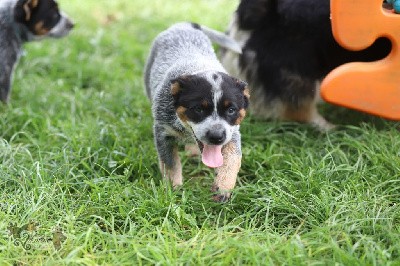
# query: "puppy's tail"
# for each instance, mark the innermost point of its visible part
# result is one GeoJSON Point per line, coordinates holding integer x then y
{"type": "Point", "coordinates": [219, 38]}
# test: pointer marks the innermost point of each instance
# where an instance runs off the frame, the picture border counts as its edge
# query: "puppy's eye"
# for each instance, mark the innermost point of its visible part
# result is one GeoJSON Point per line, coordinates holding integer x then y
{"type": "Point", "coordinates": [198, 109]}
{"type": "Point", "coordinates": [231, 111]}
{"type": "Point", "coordinates": [55, 16]}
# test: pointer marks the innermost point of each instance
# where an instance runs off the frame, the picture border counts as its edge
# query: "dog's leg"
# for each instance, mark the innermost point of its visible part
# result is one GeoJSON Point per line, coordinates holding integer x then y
{"type": "Point", "coordinates": [316, 118]}
{"type": "Point", "coordinates": [6, 72]}
{"type": "Point", "coordinates": [307, 113]}
{"type": "Point", "coordinates": [172, 173]}
{"type": "Point", "coordinates": [319, 121]}
{"type": "Point", "coordinates": [299, 97]}
{"type": "Point", "coordinates": [170, 163]}
{"type": "Point", "coordinates": [5, 86]}
{"type": "Point", "coordinates": [225, 179]}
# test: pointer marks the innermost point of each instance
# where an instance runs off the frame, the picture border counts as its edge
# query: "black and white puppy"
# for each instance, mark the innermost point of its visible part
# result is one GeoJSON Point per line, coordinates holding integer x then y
{"type": "Point", "coordinates": [22, 21]}
{"type": "Point", "coordinates": [288, 48]}
{"type": "Point", "coordinates": [195, 99]}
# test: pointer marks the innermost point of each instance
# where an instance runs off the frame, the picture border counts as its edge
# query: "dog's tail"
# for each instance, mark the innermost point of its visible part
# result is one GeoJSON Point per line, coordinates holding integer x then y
{"type": "Point", "coordinates": [219, 38]}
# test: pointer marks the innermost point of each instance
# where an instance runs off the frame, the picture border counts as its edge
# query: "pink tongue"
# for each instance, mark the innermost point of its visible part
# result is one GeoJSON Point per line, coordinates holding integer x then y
{"type": "Point", "coordinates": [212, 156]}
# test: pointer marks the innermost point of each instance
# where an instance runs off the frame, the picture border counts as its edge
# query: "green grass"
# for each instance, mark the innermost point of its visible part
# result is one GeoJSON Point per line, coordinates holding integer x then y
{"type": "Point", "coordinates": [78, 164]}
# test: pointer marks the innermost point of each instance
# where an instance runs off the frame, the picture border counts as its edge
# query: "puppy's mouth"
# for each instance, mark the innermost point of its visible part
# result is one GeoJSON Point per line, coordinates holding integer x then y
{"type": "Point", "coordinates": [211, 155]}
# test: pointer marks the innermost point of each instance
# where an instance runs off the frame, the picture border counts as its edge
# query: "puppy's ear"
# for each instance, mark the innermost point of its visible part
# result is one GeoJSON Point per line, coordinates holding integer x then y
{"type": "Point", "coordinates": [23, 10]}
{"type": "Point", "coordinates": [177, 85]}
{"type": "Point", "coordinates": [246, 92]}
{"type": "Point", "coordinates": [175, 89]}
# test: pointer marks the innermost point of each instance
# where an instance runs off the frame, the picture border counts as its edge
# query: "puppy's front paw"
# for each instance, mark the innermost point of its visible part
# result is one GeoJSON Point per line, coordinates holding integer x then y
{"type": "Point", "coordinates": [220, 196]}
{"type": "Point", "coordinates": [176, 186]}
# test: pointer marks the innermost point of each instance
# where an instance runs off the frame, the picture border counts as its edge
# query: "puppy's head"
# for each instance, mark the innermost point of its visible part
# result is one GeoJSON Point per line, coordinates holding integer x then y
{"type": "Point", "coordinates": [212, 104]}
{"type": "Point", "coordinates": [42, 18]}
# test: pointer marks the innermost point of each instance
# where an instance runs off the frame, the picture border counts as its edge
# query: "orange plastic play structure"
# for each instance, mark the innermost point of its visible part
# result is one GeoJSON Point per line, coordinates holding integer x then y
{"type": "Point", "coordinates": [372, 87]}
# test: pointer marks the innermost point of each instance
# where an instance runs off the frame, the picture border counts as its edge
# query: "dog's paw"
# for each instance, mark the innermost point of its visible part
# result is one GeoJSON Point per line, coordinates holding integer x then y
{"type": "Point", "coordinates": [325, 126]}
{"type": "Point", "coordinates": [321, 123]}
{"type": "Point", "coordinates": [220, 196]}
{"type": "Point", "coordinates": [176, 186]}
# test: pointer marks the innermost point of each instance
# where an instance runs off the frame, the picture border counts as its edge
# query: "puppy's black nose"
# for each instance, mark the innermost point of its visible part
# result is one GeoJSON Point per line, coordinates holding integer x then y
{"type": "Point", "coordinates": [216, 136]}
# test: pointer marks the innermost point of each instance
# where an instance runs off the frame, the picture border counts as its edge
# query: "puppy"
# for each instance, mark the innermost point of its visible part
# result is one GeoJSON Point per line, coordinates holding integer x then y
{"type": "Point", "coordinates": [23, 21]}
{"type": "Point", "coordinates": [288, 48]}
{"type": "Point", "coordinates": [195, 99]}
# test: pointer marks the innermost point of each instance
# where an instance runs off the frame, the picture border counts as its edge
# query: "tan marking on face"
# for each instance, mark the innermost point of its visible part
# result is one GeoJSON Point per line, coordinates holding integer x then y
{"type": "Point", "coordinates": [175, 88]}
{"type": "Point", "coordinates": [180, 111]}
{"type": "Point", "coordinates": [246, 92]}
{"type": "Point", "coordinates": [33, 3]}
{"type": "Point", "coordinates": [28, 6]}
{"type": "Point", "coordinates": [227, 173]}
{"type": "Point", "coordinates": [227, 103]}
{"type": "Point", "coordinates": [242, 114]}
{"type": "Point", "coordinates": [27, 11]}
{"type": "Point", "coordinates": [204, 103]}
{"type": "Point", "coordinates": [39, 29]}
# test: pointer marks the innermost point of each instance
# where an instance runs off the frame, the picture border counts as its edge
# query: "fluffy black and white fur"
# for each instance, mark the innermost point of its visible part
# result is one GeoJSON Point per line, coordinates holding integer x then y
{"type": "Point", "coordinates": [288, 48]}
{"type": "Point", "coordinates": [23, 21]}
{"type": "Point", "coordinates": [194, 99]}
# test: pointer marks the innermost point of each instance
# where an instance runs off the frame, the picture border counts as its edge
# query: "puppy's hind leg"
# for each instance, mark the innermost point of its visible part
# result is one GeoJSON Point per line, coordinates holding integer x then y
{"type": "Point", "coordinates": [169, 160]}
{"type": "Point", "coordinates": [225, 179]}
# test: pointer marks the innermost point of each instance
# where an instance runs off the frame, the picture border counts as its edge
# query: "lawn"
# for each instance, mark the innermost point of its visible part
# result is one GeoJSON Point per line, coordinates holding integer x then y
{"type": "Point", "coordinates": [80, 182]}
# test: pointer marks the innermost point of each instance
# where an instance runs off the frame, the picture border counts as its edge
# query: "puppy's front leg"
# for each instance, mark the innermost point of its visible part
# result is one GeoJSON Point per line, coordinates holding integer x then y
{"type": "Point", "coordinates": [226, 174]}
{"type": "Point", "coordinates": [5, 83]}
{"type": "Point", "coordinates": [170, 163]}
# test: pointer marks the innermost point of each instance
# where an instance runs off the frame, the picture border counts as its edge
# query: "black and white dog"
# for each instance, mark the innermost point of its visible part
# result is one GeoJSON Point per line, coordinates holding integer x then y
{"type": "Point", "coordinates": [288, 48]}
{"type": "Point", "coordinates": [194, 99]}
{"type": "Point", "coordinates": [22, 21]}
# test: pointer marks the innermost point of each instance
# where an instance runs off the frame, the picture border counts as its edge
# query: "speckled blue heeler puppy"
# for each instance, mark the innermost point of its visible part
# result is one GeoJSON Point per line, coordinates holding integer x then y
{"type": "Point", "coordinates": [23, 21]}
{"type": "Point", "coordinates": [195, 99]}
